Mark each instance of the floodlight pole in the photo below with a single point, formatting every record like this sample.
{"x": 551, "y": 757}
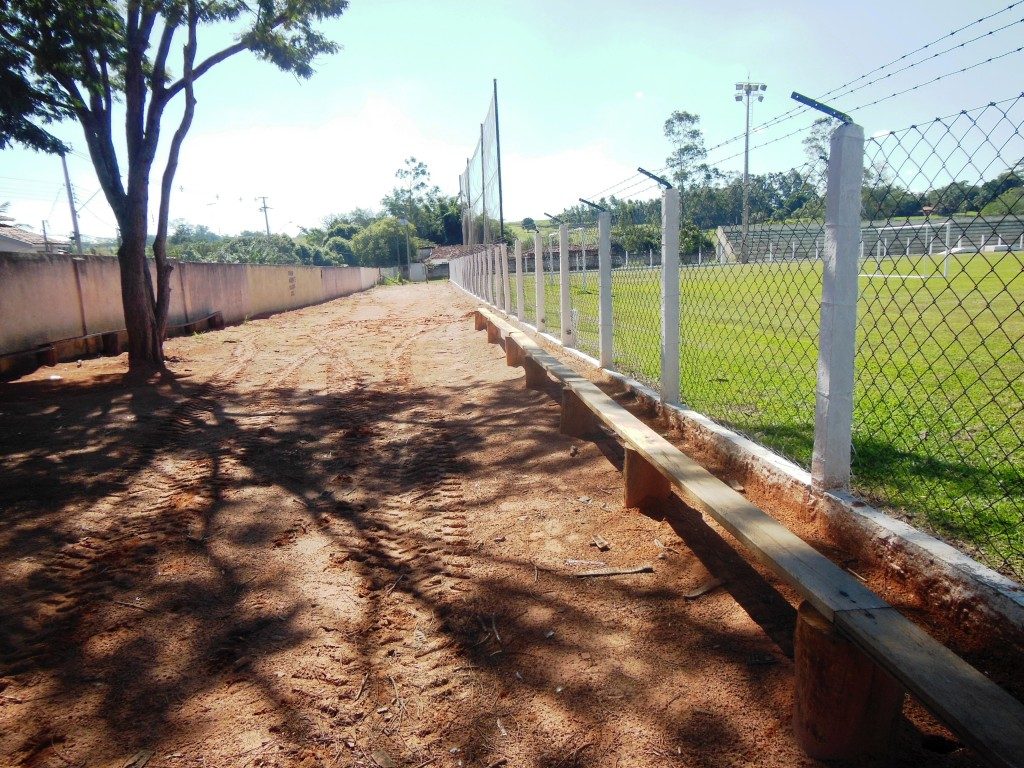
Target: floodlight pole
{"x": 743, "y": 94}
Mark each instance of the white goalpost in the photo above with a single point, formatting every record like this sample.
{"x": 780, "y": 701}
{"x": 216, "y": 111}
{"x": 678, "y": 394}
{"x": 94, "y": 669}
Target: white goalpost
{"x": 905, "y": 251}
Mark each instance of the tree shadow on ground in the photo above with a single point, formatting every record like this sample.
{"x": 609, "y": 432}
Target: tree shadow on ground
{"x": 139, "y": 581}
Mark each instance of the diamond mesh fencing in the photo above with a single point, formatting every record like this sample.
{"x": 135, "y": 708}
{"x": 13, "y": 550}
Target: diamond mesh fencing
{"x": 939, "y": 408}
{"x": 552, "y": 286}
{"x": 636, "y": 289}
{"x": 750, "y": 299}
{"x": 583, "y": 287}
{"x": 529, "y": 284}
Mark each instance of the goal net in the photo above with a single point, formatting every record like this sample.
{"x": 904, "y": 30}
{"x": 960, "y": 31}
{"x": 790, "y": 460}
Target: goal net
{"x": 906, "y": 251}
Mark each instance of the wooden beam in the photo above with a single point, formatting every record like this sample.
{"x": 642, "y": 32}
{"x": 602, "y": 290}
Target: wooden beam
{"x": 493, "y": 332}
{"x": 479, "y": 321}
{"x": 513, "y": 352}
{"x": 977, "y": 710}
{"x": 577, "y": 420}
{"x": 845, "y": 706}
{"x": 646, "y": 487}
{"x": 536, "y": 376}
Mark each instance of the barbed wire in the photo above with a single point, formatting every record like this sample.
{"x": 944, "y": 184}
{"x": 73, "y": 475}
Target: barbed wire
{"x": 834, "y": 92}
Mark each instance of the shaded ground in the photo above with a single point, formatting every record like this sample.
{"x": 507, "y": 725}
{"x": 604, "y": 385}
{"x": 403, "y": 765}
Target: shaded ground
{"x": 339, "y": 536}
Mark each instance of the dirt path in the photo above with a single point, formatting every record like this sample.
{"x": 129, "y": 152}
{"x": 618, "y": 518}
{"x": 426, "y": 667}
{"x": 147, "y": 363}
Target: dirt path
{"x": 340, "y": 537}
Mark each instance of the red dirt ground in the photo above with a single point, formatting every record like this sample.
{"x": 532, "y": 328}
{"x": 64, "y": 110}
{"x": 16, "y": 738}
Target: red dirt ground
{"x": 339, "y": 537}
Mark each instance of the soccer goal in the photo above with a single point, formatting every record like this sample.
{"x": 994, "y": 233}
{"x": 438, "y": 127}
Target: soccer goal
{"x": 906, "y": 251}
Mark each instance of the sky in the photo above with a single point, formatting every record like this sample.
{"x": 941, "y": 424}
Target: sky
{"x": 584, "y": 89}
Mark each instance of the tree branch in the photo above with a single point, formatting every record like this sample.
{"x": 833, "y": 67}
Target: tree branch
{"x": 163, "y": 269}
{"x": 175, "y": 88}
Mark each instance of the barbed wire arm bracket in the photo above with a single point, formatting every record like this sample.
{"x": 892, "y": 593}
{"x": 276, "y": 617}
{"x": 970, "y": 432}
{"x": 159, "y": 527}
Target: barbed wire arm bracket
{"x": 825, "y": 108}
{"x": 656, "y": 178}
{"x": 595, "y": 206}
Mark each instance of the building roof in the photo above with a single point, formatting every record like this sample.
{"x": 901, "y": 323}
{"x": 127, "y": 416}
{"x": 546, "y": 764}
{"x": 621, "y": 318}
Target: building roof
{"x": 445, "y": 253}
{"x": 28, "y": 238}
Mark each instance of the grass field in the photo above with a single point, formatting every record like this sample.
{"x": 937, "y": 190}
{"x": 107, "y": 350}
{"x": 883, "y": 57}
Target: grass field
{"x": 939, "y": 409}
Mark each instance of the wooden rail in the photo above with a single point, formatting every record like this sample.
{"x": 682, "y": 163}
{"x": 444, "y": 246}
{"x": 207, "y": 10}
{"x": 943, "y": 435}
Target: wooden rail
{"x": 843, "y": 627}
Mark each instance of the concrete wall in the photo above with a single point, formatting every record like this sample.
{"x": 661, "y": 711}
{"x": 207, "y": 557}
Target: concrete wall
{"x": 47, "y": 297}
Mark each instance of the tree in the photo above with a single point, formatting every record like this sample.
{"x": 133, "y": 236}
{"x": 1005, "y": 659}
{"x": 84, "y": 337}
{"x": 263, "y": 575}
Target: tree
{"x": 529, "y": 224}
{"x": 382, "y": 244}
{"x": 74, "y": 60}
{"x": 682, "y": 129}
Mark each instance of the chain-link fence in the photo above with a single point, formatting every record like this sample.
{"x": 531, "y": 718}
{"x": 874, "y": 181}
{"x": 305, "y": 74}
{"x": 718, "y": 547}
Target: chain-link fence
{"x": 749, "y": 315}
{"x": 938, "y": 401}
{"x": 939, "y": 408}
{"x": 583, "y": 287}
{"x": 636, "y": 288}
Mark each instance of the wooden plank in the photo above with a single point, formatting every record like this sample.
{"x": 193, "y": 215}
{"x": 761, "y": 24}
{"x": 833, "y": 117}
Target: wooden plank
{"x": 820, "y": 581}
{"x": 977, "y": 710}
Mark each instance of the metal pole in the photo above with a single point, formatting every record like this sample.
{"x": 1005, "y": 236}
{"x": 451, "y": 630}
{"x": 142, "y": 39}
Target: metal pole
{"x": 565, "y": 303}
{"x": 71, "y": 204}
{"x": 833, "y": 410}
{"x": 497, "y": 148}
{"x": 670, "y": 296}
{"x": 746, "y": 179}
{"x": 604, "y": 269}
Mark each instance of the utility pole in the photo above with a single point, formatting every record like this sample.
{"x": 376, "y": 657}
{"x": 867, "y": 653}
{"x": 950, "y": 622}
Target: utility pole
{"x": 743, "y": 93}
{"x": 46, "y": 240}
{"x": 264, "y": 208}
{"x": 71, "y": 204}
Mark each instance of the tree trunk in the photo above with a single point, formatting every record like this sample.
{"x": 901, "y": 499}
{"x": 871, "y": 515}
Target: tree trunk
{"x": 145, "y": 337}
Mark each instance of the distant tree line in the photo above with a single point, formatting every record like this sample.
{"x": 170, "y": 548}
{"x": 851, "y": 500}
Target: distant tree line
{"x": 361, "y": 237}
{"x": 711, "y": 198}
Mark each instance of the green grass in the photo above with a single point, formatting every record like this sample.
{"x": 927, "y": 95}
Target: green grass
{"x": 938, "y": 416}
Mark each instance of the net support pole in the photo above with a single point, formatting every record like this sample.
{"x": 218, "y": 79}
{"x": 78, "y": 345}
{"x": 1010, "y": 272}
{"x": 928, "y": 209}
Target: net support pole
{"x": 506, "y": 297}
{"x": 520, "y": 290}
{"x": 538, "y": 280}
{"x": 833, "y": 407}
{"x": 670, "y": 296}
{"x": 604, "y": 272}
{"x": 565, "y": 298}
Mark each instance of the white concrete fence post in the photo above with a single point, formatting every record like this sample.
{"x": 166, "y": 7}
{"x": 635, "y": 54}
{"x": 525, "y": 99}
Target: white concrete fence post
{"x": 670, "y": 296}
{"x": 833, "y": 407}
{"x": 565, "y": 298}
{"x": 506, "y": 298}
{"x": 604, "y": 278}
{"x": 520, "y": 290}
{"x": 538, "y": 279}
{"x": 488, "y": 279}
{"x": 496, "y": 266}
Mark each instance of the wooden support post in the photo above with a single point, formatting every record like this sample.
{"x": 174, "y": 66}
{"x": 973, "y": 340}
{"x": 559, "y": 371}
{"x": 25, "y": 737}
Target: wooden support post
{"x": 513, "y": 353}
{"x": 646, "y": 487}
{"x": 493, "y": 333}
{"x": 845, "y": 705}
{"x": 479, "y": 321}
{"x": 577, "y": 419}
{"x": 536, "y": 376}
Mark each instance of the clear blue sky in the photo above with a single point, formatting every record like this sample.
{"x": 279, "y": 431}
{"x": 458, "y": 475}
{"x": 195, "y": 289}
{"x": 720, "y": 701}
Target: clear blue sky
{"x": 584, "y": 89}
